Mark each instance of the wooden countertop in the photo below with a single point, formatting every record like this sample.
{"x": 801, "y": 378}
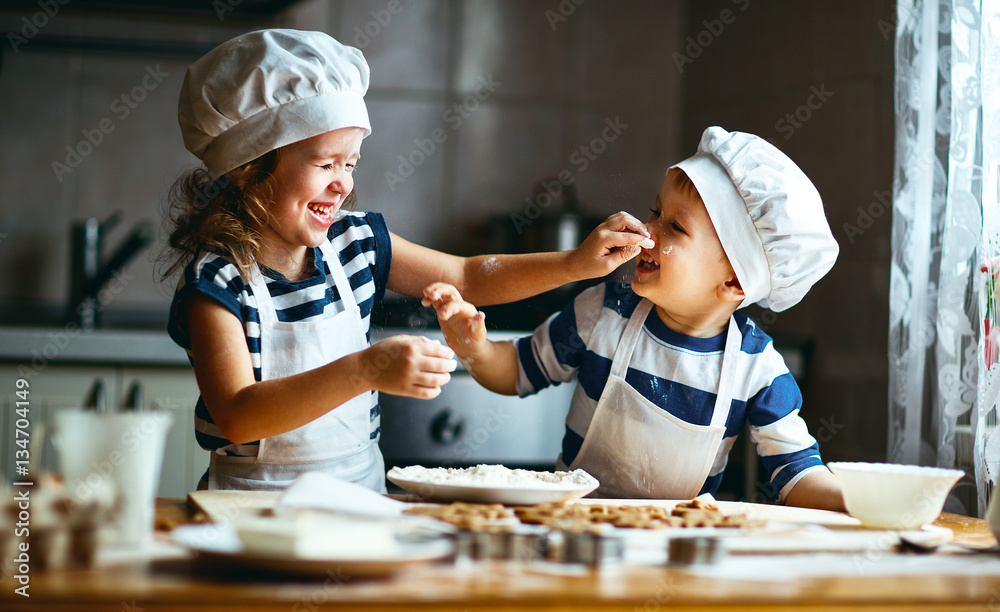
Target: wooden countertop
{"x": 182, "y": 583}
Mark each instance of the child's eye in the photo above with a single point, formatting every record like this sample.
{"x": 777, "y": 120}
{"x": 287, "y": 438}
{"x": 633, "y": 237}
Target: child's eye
{"x": 327, "y": 166}
{"x": 656, "y": 211}
{"x": 351, "y": 167}
{"x": 678, "y": 228}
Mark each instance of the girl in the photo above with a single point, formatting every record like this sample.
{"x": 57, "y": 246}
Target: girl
{"x": 279, "y": 279}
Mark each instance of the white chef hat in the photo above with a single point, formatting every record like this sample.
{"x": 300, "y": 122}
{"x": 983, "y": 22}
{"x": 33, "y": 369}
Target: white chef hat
{"x": 767, "y": 213}
{"x": 267, "y": 89}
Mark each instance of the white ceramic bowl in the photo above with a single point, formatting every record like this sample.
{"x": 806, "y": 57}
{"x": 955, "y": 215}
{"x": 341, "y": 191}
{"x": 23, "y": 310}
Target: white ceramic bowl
{"x": 894, "y": 496}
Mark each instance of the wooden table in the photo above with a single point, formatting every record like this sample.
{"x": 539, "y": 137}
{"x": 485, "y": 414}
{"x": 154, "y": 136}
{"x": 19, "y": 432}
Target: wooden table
{"x": 183, "y": 584}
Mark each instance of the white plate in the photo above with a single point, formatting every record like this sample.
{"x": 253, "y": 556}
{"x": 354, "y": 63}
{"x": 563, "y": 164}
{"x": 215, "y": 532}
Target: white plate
{"x": 221, "y": 546}
{"x": 511, "y": 496}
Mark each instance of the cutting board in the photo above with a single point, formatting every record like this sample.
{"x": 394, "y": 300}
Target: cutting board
{"x": 227, "y": 506}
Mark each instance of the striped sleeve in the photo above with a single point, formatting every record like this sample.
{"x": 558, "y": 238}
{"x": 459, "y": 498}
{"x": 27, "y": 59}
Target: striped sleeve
{"x": 554, "y": 352}
{"x": 382, "y": 253}
{"x": 783, "y": 442}
{"x": 210, "y": 275}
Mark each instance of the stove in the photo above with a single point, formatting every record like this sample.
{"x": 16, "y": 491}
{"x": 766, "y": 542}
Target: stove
{"x": 467, "y": 425}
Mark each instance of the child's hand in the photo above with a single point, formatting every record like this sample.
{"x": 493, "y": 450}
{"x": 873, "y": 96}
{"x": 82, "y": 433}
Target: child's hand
{"x": 617, "y": 240}
{"x": 464, "y": 327}
{"x": 408, "y": 366}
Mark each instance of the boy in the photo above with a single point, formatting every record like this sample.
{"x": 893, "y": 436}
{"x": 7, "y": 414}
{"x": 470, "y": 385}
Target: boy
{"x": 668, "y": 371}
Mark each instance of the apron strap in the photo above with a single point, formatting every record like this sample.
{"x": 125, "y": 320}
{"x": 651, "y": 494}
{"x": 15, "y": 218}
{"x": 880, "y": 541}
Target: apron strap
{"x": 623, "y": 354}
{"x": 727, "y": 375}
{"x": 339, "y": 275}
{"x": 727, "y": 372}
{"x": 265, "y": 305}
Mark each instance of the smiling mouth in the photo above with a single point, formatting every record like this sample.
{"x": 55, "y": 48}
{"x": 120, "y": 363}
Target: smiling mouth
{"x": 323, "y": 211}
{"x": 646, "y": 263}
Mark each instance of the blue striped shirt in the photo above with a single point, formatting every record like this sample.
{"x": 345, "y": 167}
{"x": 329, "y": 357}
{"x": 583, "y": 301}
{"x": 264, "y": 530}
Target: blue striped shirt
{"x": 678, "y": 373}
{"x": 364, "y": 250}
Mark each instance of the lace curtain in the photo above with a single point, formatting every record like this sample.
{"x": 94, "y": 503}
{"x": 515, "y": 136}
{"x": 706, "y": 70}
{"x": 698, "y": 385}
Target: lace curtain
{"x": 943, "y": 379}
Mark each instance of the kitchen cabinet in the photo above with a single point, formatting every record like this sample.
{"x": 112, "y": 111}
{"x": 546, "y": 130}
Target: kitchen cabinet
{"x": 59, "y": 387}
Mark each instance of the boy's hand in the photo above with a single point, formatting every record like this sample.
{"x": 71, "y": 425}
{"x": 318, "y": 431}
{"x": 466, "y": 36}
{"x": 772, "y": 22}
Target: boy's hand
{"x": 408, "y": 366}
{"x": 463, "y": 325}
{"x": 619, "y": 239}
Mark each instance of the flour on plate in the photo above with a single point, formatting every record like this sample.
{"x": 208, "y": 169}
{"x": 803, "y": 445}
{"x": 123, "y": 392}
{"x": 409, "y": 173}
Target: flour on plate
{"x": 495, "y": 476}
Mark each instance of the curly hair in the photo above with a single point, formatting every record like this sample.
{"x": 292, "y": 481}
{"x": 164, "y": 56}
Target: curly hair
{"x": 224, "y": 216}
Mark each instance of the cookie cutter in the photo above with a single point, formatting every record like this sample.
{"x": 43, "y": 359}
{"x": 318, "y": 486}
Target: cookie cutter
{"x": 520, "y": 545}
{"x": 695, "y": 550}
{"x": 593, "y": 549}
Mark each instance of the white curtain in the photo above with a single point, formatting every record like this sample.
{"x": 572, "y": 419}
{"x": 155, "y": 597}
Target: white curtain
{"x": 944, "y": 379}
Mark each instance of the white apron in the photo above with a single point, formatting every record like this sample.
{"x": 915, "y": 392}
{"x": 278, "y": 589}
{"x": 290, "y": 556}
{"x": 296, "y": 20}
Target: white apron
{"x": 638, "y": 450}
{"x": 338, "y": 442}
